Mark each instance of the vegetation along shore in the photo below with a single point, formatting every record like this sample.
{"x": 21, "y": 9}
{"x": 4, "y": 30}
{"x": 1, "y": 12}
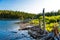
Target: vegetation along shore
{"x": 50, "y": 17}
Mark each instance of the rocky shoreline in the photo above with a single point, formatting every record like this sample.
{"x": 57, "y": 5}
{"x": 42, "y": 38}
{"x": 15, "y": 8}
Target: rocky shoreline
{"x": 37, "y": 32}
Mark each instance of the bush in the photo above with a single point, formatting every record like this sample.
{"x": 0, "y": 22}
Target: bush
{"x": 50, "y": 26}
{"x": 34, "y": 21}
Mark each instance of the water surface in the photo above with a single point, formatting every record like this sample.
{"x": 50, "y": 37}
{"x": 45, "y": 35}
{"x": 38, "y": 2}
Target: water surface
{"x": 8, "y": 25}
{"x": 9, "y": 31}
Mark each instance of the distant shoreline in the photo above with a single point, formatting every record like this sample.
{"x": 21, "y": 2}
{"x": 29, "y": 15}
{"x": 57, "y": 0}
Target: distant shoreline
{"x": 8, "y": 19}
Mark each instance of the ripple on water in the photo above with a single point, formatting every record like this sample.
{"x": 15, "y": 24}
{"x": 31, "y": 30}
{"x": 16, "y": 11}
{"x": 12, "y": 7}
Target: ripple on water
{"x": 20, "y": 35}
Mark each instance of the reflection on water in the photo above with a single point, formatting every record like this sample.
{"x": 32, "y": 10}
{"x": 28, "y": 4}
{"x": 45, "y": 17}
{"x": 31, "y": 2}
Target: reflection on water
{"x": 8, "y": 31}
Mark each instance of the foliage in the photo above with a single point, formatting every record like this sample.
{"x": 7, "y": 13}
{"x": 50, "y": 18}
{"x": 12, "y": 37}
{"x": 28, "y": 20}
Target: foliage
{"x": 50, "y": 26}
{"x": 15, "y": 14}
{"x": 50, "y": 20}
{"x": 34, "y": 21}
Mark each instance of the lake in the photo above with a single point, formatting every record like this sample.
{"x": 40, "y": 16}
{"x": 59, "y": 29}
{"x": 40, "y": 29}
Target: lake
{"x": 9, "y": 31}
{"x": 8, "y": 25}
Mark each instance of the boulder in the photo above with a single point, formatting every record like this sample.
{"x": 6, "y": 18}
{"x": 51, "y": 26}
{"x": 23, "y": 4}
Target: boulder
{"x": 37, "y": 32}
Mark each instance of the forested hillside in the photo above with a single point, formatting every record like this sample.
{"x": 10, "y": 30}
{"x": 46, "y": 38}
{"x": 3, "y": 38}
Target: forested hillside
{"x": 8, "y": 14}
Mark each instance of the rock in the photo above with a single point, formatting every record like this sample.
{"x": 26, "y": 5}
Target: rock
{"x": 37, "y": 32}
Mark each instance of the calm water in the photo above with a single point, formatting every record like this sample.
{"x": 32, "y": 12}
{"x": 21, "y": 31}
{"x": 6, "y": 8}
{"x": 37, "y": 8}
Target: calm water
{"x": 8, "y": 25}
{"x": 9, "y": 31}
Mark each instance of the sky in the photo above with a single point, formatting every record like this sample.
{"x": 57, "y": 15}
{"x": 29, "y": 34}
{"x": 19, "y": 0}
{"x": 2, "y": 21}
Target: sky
{"x": 30, "y": 6}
